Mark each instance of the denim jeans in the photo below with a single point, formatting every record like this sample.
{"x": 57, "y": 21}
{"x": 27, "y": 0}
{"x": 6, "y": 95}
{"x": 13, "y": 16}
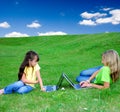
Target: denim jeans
{"x": 85, "y": 74}
{"x": 18, "y": 87}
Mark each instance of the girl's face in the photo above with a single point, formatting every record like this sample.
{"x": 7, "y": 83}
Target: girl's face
{"x": 103, "y": 60}
{"x": 33, "y": 62}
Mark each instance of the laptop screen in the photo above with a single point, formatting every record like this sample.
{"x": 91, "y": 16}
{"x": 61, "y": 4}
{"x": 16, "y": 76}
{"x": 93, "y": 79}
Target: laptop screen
{"x": 66, "y": 77}
{"x": 60, "y": 81}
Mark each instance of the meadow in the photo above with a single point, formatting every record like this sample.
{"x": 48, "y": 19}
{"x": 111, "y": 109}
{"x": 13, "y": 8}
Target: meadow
{"x": 69, "y": 54}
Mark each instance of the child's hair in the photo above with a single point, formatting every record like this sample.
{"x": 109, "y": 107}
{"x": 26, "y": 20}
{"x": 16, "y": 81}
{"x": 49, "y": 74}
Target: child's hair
{"x": 112, "y": 59}
{"x": 30, "y": 55}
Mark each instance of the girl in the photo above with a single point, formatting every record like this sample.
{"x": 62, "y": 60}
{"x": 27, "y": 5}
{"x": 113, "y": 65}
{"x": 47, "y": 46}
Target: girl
{"x": 28, "y": 73}
{"x": 107, "y": 74}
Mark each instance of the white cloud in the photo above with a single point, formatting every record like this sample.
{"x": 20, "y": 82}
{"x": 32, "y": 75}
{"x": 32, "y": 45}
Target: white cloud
{"x": 34, "y": 24}
{"x": 87, "y": 22}
{"x": 101, "y": 18}
{"x": 115, "y": 16}
{"x": 106, "y": 9}
{"x": 52, "y": 33}
{"x": 114, "y": 19}
{"x": 87, "y": 15}
{"x": 4, "y": 25}
{"x": 107, "y": 32}
{"x": 16, "y": 34}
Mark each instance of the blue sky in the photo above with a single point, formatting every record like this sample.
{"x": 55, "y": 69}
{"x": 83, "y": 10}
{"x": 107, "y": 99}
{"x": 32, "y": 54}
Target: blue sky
{"x": 58, "y": 17}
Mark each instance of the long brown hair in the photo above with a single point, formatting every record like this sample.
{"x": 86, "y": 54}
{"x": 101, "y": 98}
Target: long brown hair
{"x": 30, "y": 55}
{"x": 112, "y": 60}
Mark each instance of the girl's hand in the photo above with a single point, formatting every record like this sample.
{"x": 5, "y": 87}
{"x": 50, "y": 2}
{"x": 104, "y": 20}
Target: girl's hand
{"x": 43, "y": 89}
{"x": 86, "y": 84}
{"x": 36, "y": 81}
{"x": 82, "y": 82}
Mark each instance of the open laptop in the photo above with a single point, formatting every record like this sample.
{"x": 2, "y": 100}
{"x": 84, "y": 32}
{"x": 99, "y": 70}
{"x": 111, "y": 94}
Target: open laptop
{"x": 50, "y": 88}
{"x": 75, "y": 86}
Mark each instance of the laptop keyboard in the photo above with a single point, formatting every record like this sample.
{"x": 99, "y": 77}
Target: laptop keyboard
{"x": 50, "y": 88}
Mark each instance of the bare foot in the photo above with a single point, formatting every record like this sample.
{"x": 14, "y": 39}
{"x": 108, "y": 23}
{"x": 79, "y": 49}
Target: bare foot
{"x": 1, "y": 91}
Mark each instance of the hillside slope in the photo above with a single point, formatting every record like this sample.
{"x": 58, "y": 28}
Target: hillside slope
{"x": 69, "y": 54}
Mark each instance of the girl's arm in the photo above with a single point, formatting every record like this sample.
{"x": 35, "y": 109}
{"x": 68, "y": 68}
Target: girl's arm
{"x": 92, "y": 77}
{"x": 106, "y": 85}
{"x": 27, "y": 81}
{"x": 40, "y": 80}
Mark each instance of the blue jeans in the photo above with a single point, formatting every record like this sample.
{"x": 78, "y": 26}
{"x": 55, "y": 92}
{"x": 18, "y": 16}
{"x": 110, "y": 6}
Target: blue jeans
{"x": 18, "y": 87}
{"x": 85, "y": 74}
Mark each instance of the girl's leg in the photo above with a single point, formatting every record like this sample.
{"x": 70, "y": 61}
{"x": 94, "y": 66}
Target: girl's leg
{"x": 24, "y": 89}
{"x": 89, "y": 71}
{"x": 82, "y": 78}
{"x": 85, "y": 74}
{"x": 13, "y": 87}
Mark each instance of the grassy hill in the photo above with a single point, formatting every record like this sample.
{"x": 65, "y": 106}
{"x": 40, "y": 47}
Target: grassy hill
{"x": 69, "y": 54}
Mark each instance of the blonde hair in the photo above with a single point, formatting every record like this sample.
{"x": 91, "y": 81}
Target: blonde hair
{"x": 112, "y": 59}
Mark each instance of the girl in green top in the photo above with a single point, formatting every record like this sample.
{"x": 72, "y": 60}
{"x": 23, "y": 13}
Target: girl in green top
{"x": 107, "y": 74}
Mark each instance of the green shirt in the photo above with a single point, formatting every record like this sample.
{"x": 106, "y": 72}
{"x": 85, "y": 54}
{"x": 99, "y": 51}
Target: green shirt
{"x": 103, "y": 76}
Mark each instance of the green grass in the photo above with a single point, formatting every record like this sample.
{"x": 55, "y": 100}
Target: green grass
{"x": 70, "y": 54}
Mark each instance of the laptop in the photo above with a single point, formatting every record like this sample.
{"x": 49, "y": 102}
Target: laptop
{"x": 50, "y": 88}
{"x": 75, "y": 86}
